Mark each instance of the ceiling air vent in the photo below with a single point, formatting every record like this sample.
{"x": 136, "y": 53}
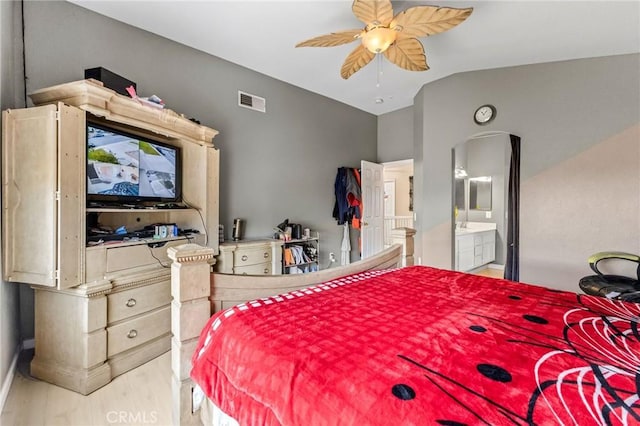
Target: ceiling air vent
{"x": 253, "y": 102}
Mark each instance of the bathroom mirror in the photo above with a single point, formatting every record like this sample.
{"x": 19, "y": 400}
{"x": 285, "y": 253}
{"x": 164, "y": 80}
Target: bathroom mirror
{"x": 480, "y": 193}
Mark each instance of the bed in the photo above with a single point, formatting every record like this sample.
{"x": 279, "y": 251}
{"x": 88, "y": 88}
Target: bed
{"x": 419, "y": 345}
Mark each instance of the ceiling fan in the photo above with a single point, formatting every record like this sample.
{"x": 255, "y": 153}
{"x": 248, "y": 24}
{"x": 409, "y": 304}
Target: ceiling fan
{"x": 394, "y": 36}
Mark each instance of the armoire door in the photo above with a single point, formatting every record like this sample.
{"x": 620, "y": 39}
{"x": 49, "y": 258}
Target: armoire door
{"x": 41, "y": 217}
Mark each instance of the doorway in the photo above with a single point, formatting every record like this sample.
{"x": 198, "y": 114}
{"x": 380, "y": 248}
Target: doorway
{"x": 480, "y": 195}
{"x": 485, "y": 195}
{"x": 398, "y": 197}
{"x": 387, "y": 198}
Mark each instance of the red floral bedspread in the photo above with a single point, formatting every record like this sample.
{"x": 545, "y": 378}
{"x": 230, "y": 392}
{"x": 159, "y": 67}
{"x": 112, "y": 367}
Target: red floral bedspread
{"x": 423, "y": 346}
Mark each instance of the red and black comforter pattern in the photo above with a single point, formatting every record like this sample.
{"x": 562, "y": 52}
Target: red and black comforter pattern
{"x": 422, "y": 346}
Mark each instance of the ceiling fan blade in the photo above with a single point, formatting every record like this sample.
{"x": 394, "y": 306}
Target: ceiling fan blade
{"x": 408, "y": 54}
{"x": 330, "y": 40}
{"x": 370, "y": 11}
{"x": 356, "y": 60}
{"x": 423, "y": 21}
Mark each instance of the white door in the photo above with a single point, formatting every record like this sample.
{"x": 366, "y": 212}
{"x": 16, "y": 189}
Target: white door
{"x": 389, "y": 198}
{"x": 372, "y": 184}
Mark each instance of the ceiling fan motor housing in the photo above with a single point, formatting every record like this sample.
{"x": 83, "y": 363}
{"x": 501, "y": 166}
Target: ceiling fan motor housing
{"x": 378, "y": 39}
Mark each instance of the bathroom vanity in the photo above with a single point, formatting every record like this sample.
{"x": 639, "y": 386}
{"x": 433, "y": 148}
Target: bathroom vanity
{"x": 475, "y": 245}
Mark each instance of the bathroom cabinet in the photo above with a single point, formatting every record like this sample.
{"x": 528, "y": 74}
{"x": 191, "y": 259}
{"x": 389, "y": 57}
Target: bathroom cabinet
{"x": 474, "y": 248}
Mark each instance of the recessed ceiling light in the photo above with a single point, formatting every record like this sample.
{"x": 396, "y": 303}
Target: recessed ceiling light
{"x": 379, "y": 100}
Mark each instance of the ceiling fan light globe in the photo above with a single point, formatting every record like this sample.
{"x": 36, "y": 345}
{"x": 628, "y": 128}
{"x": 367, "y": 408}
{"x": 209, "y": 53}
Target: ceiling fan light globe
{"x": 377, "y": 40}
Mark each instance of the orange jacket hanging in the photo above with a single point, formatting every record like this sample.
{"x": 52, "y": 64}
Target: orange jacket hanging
{"x": 356, "y": 220}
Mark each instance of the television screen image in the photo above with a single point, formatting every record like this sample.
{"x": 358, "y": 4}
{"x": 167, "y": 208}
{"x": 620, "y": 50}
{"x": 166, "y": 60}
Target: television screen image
{"x": 125, "y": 167}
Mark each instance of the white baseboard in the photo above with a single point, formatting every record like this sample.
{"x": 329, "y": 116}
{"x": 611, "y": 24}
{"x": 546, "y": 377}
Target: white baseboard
{"x": 28, "y": 344}
{"x": 495, "y": 266}
{"x": 6, "y": 385}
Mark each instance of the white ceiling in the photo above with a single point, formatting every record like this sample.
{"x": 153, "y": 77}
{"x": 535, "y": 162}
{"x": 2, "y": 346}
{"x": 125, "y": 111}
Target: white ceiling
{"x": 261, "y": 35}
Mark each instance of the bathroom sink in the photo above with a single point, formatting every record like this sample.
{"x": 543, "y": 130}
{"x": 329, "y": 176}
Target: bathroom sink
{"x": 473, "y": 227}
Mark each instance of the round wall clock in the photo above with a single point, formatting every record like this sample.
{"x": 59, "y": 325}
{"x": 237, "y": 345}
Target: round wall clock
{"x": 484, "y": 114}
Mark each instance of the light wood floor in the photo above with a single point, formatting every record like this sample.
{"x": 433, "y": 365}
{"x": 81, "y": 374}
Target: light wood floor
{"x": 141, "y": 396}
{"x": 490, "y": 272}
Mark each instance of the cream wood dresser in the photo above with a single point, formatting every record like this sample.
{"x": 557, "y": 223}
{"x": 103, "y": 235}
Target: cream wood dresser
{"x": 104, "y": 309}
{"x": 253, "y": 257}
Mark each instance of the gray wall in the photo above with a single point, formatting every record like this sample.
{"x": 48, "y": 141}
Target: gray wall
{"x": 277, "y": 165}
{"x": 395, "y": 135}
{"x": 9, "y": 98}
{"x": 568, "y": 114}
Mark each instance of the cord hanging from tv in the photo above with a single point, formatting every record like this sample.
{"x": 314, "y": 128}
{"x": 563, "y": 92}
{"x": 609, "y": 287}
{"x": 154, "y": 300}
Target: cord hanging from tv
{"x": 123, "y": 168}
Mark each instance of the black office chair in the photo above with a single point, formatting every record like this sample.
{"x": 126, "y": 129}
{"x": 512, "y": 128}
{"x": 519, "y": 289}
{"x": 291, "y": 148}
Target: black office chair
{"x": 612, "y": 286}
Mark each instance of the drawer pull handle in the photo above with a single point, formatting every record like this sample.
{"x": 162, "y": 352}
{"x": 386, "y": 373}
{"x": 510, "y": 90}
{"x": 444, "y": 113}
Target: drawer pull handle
{"x": 244, "y": 257}
{"x": 132, "y": 334}
{"x": 266, "y": 270}
{"x": 266, "y": 254}
{"x": 131, "y": 303}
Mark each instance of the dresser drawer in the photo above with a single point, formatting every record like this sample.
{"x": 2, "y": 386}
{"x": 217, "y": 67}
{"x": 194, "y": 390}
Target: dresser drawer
{"x": 132, "y": 302}
{"x": 121, "y": 258}
{"x": 137, "y": 331}
{"x": 246, "y": 257}
{"x": 252, "y": 257}
{"x": 260, "y": 269}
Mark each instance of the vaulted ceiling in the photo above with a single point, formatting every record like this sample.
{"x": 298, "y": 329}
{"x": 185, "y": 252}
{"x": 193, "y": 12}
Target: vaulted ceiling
{"x": 261, "y": 35}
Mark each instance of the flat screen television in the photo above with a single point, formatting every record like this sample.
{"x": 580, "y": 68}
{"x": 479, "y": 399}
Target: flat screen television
{"x": 123, "y": 168}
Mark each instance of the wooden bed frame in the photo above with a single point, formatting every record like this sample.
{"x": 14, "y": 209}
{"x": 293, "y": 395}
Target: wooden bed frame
{"x": 197, "y": 293}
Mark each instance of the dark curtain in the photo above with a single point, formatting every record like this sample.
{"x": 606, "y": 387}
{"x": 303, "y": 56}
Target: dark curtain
{"x": 512, "y": 267}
